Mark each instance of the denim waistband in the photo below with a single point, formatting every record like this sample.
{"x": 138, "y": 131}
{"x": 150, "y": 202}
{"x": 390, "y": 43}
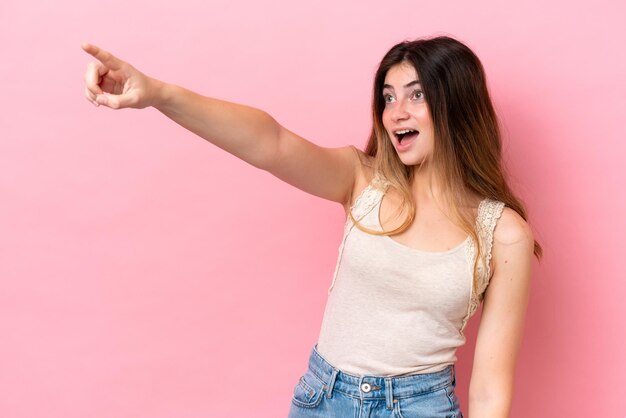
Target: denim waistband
{"x": 378, "y": 387}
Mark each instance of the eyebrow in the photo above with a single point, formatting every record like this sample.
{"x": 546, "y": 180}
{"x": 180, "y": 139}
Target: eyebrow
{"x": 406, "y": 86}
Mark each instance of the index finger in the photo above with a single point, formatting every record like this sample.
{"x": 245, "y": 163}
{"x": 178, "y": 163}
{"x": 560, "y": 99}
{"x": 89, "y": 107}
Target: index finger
{"x": 103, "y": 56}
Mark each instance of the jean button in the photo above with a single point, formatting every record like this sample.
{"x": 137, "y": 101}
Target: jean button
{"x": 366, "y": 387}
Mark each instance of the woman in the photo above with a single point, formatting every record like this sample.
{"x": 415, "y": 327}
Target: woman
{"x": 432, "y": 230}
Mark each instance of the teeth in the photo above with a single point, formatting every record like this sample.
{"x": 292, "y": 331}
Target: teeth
{"x": 406, "y": 131}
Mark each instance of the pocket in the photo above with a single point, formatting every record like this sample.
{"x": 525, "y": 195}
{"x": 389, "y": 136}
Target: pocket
{"x": 436, "y": 404}
{"x": 309, "y": 391}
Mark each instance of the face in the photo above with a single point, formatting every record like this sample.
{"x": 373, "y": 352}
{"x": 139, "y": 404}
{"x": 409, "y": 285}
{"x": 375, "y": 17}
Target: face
{"x": 406, "y": 117}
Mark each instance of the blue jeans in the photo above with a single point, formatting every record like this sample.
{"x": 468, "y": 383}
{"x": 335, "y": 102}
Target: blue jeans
{"x": 325, "y": 391}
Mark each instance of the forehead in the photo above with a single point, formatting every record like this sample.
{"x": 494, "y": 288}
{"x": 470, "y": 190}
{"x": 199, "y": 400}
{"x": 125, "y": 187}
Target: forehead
{"x": 400, "y": 74}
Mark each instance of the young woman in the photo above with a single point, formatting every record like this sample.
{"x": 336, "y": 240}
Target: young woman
{"x": 432, "y": 230}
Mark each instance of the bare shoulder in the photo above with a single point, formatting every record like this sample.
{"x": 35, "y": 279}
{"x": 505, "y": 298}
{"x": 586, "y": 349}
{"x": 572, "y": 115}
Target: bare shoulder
{"x": 512, "y": 229}
{"x": 513, "y": 243}
{"x": 363, "y": 176}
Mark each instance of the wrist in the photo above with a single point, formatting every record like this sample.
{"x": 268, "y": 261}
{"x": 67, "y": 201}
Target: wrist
{"x": 162, "y": 93}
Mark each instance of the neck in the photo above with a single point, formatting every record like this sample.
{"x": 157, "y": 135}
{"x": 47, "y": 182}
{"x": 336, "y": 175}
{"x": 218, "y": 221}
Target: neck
{"x": 427, "y": 189}
{"x": 426, "y": 185}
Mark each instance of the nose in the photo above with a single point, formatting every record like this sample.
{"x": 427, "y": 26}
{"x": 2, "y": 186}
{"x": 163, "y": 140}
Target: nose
{"x": 399, "y": 111}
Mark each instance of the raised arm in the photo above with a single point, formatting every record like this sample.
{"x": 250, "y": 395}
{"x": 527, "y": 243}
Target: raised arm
{"x": 248, "y": 133}
{"x": 502, "y": 320}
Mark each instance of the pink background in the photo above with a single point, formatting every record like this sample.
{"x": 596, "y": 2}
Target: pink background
{"x": 146, "y": 273}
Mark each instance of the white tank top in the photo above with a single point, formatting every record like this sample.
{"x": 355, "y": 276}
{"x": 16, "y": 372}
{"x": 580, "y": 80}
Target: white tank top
{"x": 393, "y": 310}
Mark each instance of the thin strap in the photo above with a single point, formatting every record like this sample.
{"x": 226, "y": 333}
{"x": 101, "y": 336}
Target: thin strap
{"x": 368, "y": 198}
{"x": 489, "y": 211}
{"x": 487, "y": 220}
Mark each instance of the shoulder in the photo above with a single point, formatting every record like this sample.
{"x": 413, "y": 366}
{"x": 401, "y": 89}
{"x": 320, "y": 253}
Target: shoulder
{"x": 363, "y": 175}
{"x": 513, "y": 243}
{"x": 512, "y": 229}
{"x": 365, "y": 168}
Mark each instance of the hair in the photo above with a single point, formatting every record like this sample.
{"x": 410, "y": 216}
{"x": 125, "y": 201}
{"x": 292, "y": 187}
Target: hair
{"x": 467, "y": 145}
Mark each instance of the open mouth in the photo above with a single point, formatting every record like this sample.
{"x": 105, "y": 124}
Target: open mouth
{"x": 406, "y": 135}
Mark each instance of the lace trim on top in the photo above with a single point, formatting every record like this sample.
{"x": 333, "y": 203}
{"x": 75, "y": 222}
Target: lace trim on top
{"x": 489, "y": 211}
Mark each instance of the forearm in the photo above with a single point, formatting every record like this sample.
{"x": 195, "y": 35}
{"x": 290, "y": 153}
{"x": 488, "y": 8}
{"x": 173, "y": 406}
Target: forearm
{"x": 488, "y": 410}
{"x": 248, "y": 133}
{"x": 491, "y": 406}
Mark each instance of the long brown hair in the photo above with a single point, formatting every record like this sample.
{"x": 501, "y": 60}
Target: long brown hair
{"x": 468, "y": 146}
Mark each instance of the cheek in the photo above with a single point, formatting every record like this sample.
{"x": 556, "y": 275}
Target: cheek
{"x": 424, "y": 117}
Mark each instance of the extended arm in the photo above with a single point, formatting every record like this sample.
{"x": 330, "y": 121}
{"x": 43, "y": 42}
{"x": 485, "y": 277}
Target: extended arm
{"x": 248, "y": 133}
{"x": 502, "y": 319}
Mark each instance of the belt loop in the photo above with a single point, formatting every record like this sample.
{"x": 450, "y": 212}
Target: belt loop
{"x": 331, "y": 383}
{"x": 389, "y": 392}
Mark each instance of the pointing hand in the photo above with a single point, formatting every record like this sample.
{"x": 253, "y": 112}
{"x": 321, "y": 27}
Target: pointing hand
{"x": 116, "y": 84}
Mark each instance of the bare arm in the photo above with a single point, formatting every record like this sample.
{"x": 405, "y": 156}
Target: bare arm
{"x": 502, "y": 320}
{"x": 248, "y": 133}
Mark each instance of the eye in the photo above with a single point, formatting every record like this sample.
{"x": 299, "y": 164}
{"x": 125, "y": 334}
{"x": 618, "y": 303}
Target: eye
{"x": 417, "y": 95}
{"x": 388, "y": 98}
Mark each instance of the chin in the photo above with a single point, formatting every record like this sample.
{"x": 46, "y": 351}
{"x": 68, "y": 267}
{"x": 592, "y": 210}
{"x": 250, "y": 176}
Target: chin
{"x": 411, "y": 161}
